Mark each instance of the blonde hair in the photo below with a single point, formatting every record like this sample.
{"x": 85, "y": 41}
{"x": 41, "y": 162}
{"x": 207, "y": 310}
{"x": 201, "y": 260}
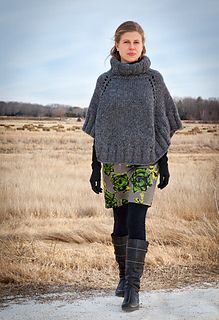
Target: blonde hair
{"x": 127, "y": 26}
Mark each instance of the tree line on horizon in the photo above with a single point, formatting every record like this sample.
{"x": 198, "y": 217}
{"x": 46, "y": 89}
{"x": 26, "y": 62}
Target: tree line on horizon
{"x": 189, "y": 109}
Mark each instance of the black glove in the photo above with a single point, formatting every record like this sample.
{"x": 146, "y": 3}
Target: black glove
{"x": 164, "y": 172}
{"x": 95, "y": 178}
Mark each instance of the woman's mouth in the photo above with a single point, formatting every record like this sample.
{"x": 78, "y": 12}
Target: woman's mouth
{"x": 131, "y": 53}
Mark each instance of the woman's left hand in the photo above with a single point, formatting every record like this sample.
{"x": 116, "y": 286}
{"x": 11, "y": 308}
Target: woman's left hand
{"x": 163, "y": 171}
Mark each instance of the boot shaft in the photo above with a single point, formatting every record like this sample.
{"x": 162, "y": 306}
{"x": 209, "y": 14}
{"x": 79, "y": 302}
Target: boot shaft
{"x": 120, "y": 244}
{"x": 135, "y": 257}
{"x": 136, "y": 250}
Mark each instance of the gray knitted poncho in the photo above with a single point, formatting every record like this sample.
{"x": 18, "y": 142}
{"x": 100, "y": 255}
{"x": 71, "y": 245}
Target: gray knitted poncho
{"x": 131, "y": 114}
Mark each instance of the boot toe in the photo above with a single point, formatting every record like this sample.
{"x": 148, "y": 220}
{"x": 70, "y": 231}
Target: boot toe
{"x": 131, "y": 300}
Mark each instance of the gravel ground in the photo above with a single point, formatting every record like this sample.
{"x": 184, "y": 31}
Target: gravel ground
{"x": 173, "y": 304}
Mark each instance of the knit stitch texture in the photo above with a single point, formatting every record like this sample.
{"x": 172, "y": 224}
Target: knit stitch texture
{"x": 131, "y": 115}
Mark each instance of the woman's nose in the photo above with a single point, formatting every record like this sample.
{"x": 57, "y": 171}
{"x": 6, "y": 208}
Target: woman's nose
{"x": 131, "y": 46}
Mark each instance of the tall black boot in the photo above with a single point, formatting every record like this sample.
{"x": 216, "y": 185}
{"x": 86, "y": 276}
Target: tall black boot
{"x": 135, "y": 255}
{"x": 119, "y": 244}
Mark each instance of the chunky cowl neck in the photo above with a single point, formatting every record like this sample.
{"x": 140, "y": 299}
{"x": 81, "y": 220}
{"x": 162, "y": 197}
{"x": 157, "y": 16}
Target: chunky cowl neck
{"x": 135, "y": 68}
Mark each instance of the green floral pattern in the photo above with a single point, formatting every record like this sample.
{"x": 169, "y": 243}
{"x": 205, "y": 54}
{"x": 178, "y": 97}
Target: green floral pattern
{"x": 108, "y": 168}
{"x": 120, "y": 182}
{"x": 110, "y": 199}
{"x": 125, "y": 183}
{"x": 141, "y": 179}
{"x": 124, "y": 201}
{"x": 154, "y": 171}
{"x": 140, "y": 199}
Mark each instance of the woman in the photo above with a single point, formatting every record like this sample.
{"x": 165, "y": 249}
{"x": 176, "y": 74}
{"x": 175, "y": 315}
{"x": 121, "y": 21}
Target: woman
{"x": 131, "y": 117}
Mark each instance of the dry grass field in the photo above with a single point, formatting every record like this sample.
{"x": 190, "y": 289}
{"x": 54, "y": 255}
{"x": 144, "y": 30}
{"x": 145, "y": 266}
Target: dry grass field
{"x": 56, "y": 231}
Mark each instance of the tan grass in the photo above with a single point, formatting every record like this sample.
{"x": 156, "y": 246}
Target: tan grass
{"x": 54, "y": 229}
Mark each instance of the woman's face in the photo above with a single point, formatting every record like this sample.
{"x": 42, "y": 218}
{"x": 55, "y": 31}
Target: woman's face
{"x": 130, "y": 46}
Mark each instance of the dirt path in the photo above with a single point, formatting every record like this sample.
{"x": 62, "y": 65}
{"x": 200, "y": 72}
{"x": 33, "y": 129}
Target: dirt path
{"x": 183, "y": 304}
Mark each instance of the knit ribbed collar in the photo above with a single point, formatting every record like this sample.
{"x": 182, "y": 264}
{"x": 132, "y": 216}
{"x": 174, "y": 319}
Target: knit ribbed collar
{"x": 120, "y": 68}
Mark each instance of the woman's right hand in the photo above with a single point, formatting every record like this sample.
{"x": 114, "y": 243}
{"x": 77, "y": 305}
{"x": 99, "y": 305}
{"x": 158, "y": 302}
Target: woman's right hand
{"x": 95, "y": 179}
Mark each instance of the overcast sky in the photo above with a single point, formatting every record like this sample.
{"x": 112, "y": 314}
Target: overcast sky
{"x": 52, "y": 51}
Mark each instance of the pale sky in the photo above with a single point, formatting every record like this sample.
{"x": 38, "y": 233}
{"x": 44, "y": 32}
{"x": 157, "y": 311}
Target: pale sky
{"x": 52, "y": 51}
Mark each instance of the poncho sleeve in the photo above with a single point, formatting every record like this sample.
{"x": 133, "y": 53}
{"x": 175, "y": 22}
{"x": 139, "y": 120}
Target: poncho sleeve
{"x": 171, "y": 111}
{"x": 89, "y": 123}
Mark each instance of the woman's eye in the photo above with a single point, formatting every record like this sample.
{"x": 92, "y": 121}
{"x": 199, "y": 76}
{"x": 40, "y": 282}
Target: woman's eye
{"x": 128, "y": 42}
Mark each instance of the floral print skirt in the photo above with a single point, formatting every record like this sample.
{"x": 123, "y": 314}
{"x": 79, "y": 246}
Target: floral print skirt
{"x": 123, "y": 183}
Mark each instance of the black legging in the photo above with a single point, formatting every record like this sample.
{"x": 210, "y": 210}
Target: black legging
{"x": 129, "y": 219}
